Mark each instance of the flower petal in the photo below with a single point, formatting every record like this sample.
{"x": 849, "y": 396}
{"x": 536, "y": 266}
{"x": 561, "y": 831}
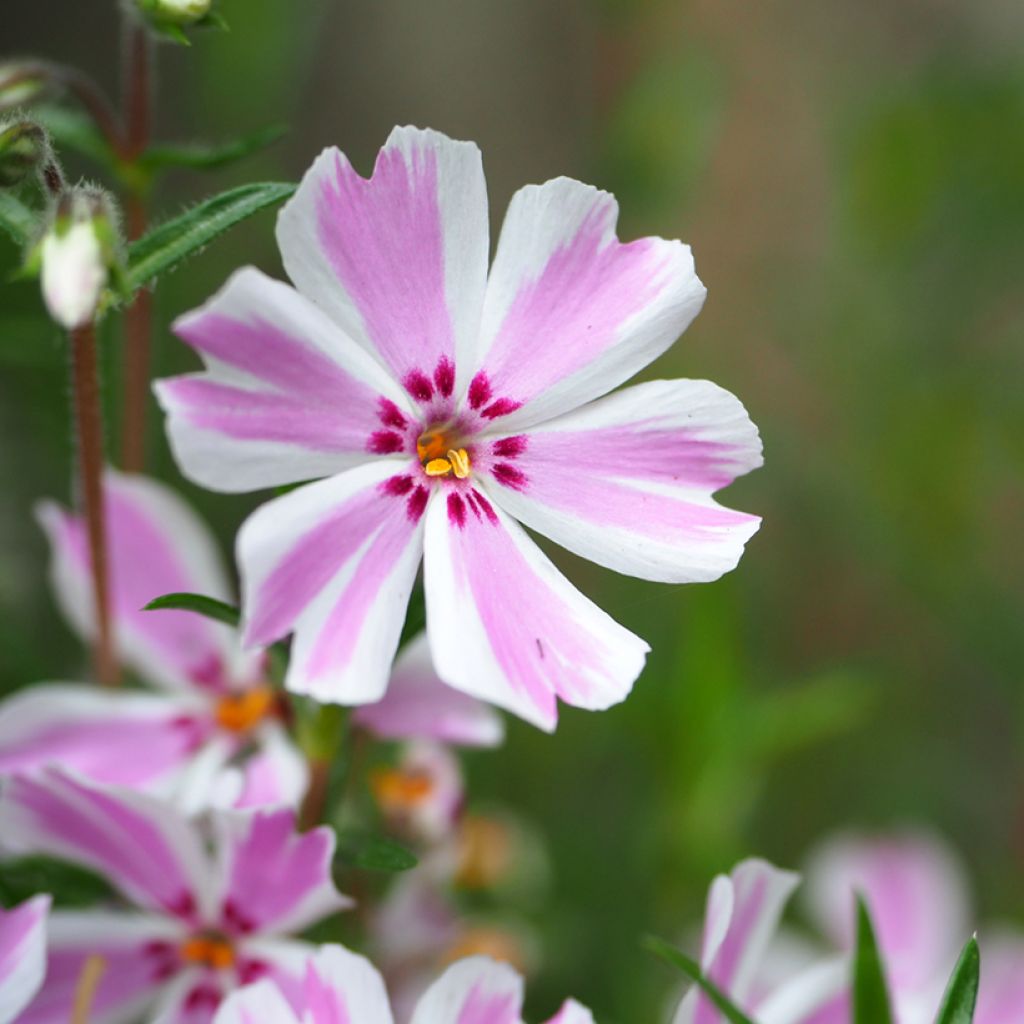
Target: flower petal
{"x": 571, "y": 312}
{"x": 476, "y": 990}
{"x": 138, "y": 843}
{"x": 627, "y": 481}
{"x": 399, "y": 261}
{"x": 334, "y": 561}
{"x": 343, "y": 986}
{"x": 126, "y": 739}
{"x": 819, "y": 994}
{"x": 506, "y": 626}
{"x": 157, "y": 546}
{"x": 915, "y": 888}
{"x": 138, "y": 954}
{"x": 272, "y": 879}
{"x": 22, "y": 955}
{"x": 286, "y": 396}
{"x": 276, "y": 773}
{"x": 261, "y": 1003}
{"x": 572, "y": 1012}
{"x": 418, "y": 705}
{"x": 736, "y": 933}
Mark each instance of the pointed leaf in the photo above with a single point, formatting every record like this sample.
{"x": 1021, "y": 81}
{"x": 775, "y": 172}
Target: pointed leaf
{"x": 174, "y": 241}
{"x": 962, "y": 990}
{"x": 373, "y": 853}
{"x": 220, "y": 611}
{"x": 692, "y": 970}
{"x": 871, "y": 1003}
{"x": 16, "y": 219}
{"x": 206, "y": 156}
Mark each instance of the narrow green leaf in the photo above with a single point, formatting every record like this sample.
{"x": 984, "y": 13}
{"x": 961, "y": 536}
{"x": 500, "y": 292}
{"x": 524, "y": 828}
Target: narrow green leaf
{"x": 871, "y": 1003}
{"x": 692, "y": 970}
{"x": 16, "y": 219}
{"x": 205, "y": 156}
{"x": 962, "y": 990}
{"x": 70, "y": 885}
{"x": 359, "y": 849}
{"x": 220, "y": 611}
{"x": 174, "y": 241}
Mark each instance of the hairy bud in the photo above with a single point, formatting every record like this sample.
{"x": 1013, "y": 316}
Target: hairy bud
{"x": 21, "y": 83}
{"x": 77, "y": 254}
{"x": 24, "y": 148}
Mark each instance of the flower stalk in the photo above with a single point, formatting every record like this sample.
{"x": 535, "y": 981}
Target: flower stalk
{"x": 89, "y": 431}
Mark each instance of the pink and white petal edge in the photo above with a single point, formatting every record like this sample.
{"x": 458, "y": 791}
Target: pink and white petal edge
{"x": 818, "y": 994}
{"x": 286, "y": 395}
{"x": 627, "y": 481}
{"x": 572, "y": 1012}
{"x": 398, "y": 261}
{"x": 476, "y": 990}
{"x": 419, "y": 705}
{"x": 506, "y": 626}
{"x": 22, "y": 955}
{"x": 570, "y": 311}
{"x": 261, "y": 1003}
{"x": 335, "y": 562}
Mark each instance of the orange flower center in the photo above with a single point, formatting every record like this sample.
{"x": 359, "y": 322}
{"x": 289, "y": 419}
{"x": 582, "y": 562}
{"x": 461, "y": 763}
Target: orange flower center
{"x": 241, "y": 712}
{"x": 485, "y": 852}
{"x": 208, "y": 951}
{"x": 440, "y": 454}
{"x": 398, "y": 791}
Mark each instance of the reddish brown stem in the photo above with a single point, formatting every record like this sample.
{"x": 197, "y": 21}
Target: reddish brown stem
{"x": 89, "y": 431}
{"x": 138, "y": 320}
{"x": 315, "y": 803}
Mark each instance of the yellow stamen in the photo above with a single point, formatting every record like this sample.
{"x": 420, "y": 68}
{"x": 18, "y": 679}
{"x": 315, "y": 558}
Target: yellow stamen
{"x": 460, "y": 462}
{"x": 209, "y": 951}
{"x": 396, "y": 790}
{"x": 437, "y": 467}
{"x": 85, "y": 988}
{"x": 240, "y": 712}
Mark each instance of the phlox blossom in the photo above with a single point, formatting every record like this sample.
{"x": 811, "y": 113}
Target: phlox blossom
{"x": 440, "y": 408}
{"x": 342, "y": 986}
{"x": 206, "y": 918}
{"x": 22, "y": 955}
{"x": 217, "y": 733}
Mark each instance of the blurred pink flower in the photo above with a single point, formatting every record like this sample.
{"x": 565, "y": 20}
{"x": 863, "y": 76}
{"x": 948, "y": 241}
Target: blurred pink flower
{"x": 22, "y": 955}
{"x": 918, "y": 894}
{"x": 442, "y": 404}
{"x": 217, "y": 734}
{"x": 208, "y": 918}
{"x": 342, "y": 986}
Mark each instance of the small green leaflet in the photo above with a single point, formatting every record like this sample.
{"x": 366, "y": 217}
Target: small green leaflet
{"x": 221, "y": 611}
{"x": 871, "y": 1004}
{"x": 167, "y": 245}
{"x": 962, "y": 990}
{"x": 205, "y": 156}
{"x": 359, "y": 849}
{"x": 16, "y": 219}
{"x": 692, "y": 970}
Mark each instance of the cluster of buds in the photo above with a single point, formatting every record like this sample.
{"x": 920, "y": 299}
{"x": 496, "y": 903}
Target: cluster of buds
{"x": 77, "y": 254}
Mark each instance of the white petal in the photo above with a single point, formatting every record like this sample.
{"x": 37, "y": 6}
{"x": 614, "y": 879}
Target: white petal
{"x": 22, "y": 955}
{"x": 476, "y": 989}
{"x": 261, "y": 1003}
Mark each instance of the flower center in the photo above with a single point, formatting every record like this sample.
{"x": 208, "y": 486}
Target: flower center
{"x": 440, "y": 454}
{"x": 208, "y": 950}
{"x": 398, "y": 791}
{"x": 241, "y": 712}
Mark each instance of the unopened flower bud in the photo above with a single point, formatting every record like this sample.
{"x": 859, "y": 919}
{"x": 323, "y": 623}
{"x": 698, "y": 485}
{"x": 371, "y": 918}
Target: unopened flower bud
{"x": 24, "y": 147}
{"x": 174, "y": 12}
{"x": 77, "y": 253}
{"x": 21, "y": 83}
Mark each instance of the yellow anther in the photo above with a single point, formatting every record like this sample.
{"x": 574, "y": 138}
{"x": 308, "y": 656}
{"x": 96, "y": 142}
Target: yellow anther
{"x": 438, "y": 467}
{"x": 240, "y": 712}
{"x": 398, "y": 790}
{"x": 460, "y": 462}
{"x": 209, "y": 951}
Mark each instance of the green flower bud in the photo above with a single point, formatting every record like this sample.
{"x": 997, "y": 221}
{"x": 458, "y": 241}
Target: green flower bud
{"x": 174, "y": 12}
{"x": 21, "y": 83}
{"x": 24, "y": 147}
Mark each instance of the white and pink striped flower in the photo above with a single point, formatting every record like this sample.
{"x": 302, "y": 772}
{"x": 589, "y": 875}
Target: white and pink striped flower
{"x": 445, "y": 406}
{"x": 217, "y": 733}
{"x": 341, "y": 986}
{"x": 22, "y": 955}
{"x": 206, "y": 920}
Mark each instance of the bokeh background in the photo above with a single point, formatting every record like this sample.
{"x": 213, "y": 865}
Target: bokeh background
{"x": 851, "y": 177}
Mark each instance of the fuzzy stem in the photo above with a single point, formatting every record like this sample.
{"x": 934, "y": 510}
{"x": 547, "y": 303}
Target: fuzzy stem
{"x": 89, "y": 430}
{"x": 138, "y": 319}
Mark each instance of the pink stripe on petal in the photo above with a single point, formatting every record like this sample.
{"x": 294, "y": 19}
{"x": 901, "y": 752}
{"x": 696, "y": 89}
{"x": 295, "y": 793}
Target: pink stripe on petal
{"x": 22, "y": 955}
{"x": 525, "y": 635}
{"x": 342, "y": 987}
{"x": 274, "y": 879}
{"x": 572, "y": 1012}
{"x": 399, "y": 260}
{"x": 476, "y": 990}
{"x": 139, "y": 844}
{"x": 628, "y": 481}
{"x": 570, "y": 311}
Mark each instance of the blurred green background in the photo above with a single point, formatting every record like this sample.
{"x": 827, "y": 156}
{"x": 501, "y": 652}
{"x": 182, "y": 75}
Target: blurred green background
{"x": 851, "y": 177}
